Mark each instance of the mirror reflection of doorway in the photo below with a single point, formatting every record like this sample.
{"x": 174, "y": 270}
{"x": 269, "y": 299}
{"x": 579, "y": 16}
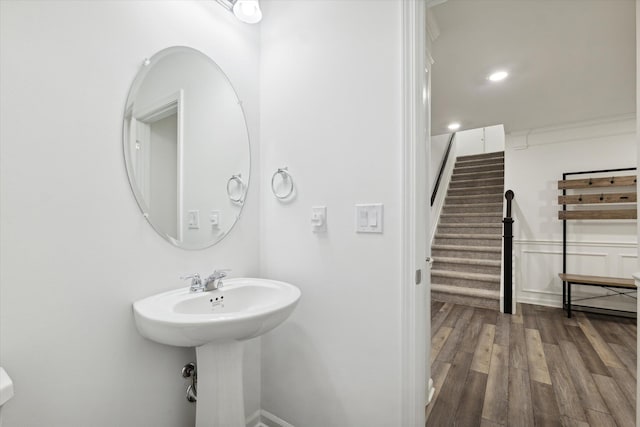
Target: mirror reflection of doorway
{"x": 157, "y": 162}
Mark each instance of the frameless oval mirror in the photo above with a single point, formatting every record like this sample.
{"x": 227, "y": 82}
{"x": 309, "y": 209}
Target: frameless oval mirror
{"x": 186, "y": 147}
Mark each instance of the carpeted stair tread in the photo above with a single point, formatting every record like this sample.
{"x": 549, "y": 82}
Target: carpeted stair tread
{"x": 468, "y": 236}
{"x": 465, "y": 248}
{"x": 480, "y": 189}
{"x": 484, "y": 156}
{"x": 448, "y": 260}
{"x": 473, "y": 224}
{"x": 462, "y": 163}
{"x": 466, "y": 275}
{"x": 476, "y": 175}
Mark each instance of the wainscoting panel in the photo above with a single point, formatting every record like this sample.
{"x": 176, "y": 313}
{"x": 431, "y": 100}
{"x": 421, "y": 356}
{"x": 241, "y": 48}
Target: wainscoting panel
{"x": 537, "y": 264}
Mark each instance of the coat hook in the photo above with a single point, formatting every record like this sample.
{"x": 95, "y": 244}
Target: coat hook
{"x": 601, "y": 197}
{"x": 613, "y": 179}
{"x": 580, "y": 198}
{"x": 590, "y": 182}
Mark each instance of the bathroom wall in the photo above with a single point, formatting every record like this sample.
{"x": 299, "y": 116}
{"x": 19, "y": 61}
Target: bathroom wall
{"x": 331, "y": 105}
{"x": 534, "y": 161}
{"x": 75, "y": 250}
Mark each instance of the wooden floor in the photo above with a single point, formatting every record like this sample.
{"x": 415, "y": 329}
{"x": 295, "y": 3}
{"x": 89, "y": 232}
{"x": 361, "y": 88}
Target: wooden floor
{"x": 537, "y": 368}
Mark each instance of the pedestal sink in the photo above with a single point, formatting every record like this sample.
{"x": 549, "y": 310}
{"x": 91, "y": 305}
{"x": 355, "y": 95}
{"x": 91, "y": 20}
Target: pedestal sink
{"x": 216, "y": 323}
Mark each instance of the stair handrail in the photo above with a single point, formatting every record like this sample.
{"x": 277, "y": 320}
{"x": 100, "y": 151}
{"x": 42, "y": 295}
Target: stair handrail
{"x": 508, "y": 254}
{"x": 441, "y": 171}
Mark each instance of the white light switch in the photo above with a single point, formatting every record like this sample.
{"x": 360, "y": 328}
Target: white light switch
{"x": 194, "y": 219}
{"x": 214, "y": 219}
{"x": 319, "y": 219}
{"x": 369, "y": 218}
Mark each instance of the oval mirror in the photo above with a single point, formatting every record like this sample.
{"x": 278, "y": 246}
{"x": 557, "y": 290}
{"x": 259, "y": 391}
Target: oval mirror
{"x": 186, "y": 147}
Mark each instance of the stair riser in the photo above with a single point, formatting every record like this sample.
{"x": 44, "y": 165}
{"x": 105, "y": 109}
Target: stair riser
{"x": 467, "y": 242}
{"x": 496, "y": 167}
{"x": 466, "y": 283}
{"x": 465, "y": 300}
{"x": 444, "y": 229}
{"x": 497, "y": 210}
{"x": 497, "y": 218}
{"x": 469, "y": 200}
{"x": 480, "y": 162}
{"x": 466, "y": 268}
{"x": 496, "y": 256}
{"x": 469, "y": 176}
{"x": 476, "y": 183}
{"x": 474, "y": 191}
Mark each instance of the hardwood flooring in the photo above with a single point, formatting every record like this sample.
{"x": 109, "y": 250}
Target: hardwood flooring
{"x": 536, "y": 368}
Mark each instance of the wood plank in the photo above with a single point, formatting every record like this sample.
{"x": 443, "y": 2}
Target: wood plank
{"x": 580, "y": 199}
{"x": 503, "y": 330}
{"x": 616, "y": 181}
{"x": 439, "y": 371}
{"x": 581, "y": 378}
{"x": 529, "y": 317}
{"x": 591, "y": 359}
{"x": 619, "y": 406}
{"x": 627, "y": 357}
{"x": 472, "y": 333}
{"x": 517, "y": 348}
{"x": 538, "y": 370}
{"x": 569, "y": 403}
{"x": 469, "y": 412}
{"x": 599, "y": 345}
{"x": 487, "y": 423}
{"x": 570, "y": 422}
{"x": 496, "y": 398}
{"x": 545, "y": 407}
{"x": 600, "y": 419}
{"x": 437, "y": 342}
{"x": 438, "y": 319}
{"x": 451, "y": 346}
{"x": 482, "y": 355}
{"x": 447, "y": 403}
{"x": 599, "y": 214}
{"x": 517, "y": 317}
{"x": 626, "y": 383}
{"x": 622, "y": 282}
{"x": 520, "y": 411}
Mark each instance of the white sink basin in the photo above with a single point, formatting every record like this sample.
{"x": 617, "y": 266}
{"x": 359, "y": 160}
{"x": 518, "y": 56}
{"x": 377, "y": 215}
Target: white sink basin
{"x": 243, "y": 308}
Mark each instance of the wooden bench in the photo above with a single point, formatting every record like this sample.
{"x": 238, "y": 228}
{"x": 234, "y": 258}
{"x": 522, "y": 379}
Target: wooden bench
{"x": 610, "y": 283}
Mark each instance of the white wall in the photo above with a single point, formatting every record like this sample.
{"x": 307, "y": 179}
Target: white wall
{"x": 481, "y": 140}
{"x": 534, "y": 162}
{"x": 75, "y": 249}
{"x": 331, "y": 98}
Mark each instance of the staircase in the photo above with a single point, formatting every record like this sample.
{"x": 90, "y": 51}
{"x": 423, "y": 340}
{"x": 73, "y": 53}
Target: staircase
{"x": 467, "y": 247}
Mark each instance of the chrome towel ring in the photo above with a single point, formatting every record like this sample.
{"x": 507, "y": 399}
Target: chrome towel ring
{"x": 286, "y": 176}
{"x": 237, "y": 179}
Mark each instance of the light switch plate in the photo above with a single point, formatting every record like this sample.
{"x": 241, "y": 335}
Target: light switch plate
{"x": 319, "y": 219}
{"x": 194, "y": 219}
{"x": 214, "y": 219}
{"x": 369, "y": 218}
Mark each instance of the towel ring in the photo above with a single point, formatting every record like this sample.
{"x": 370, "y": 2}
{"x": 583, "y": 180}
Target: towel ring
{"x": 237, "y": 179}
{"x": 286, "y": 176}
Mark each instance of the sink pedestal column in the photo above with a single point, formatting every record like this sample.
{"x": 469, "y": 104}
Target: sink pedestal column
{"x": 220, "y": 397}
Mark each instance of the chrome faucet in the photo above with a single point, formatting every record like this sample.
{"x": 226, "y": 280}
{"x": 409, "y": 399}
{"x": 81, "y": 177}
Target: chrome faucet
{"x": 196, "y": 282}
{"x": 214, "y": 281}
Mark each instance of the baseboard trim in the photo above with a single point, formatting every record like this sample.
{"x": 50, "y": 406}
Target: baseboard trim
{"x": 262, "y": 418}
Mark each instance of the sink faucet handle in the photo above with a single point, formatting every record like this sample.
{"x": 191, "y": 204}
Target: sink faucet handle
{"x": 219, "y": 274}
{"x": 196, "y": 281}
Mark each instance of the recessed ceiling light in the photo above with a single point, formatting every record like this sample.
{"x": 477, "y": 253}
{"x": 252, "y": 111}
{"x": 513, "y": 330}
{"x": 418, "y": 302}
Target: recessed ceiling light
{"x": 454, "y": 126}
{"x": 498, "y": 75}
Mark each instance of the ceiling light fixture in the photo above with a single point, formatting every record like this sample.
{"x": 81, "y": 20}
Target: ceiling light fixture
{"x": 454, "y": 126}
{"x": 498, "y": 76}
{"x": 245, "y": 10}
